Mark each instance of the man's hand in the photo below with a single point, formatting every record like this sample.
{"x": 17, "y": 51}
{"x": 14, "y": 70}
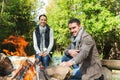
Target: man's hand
{"x": 63, "y": 64}
{"x": 69, "y": 63}
{"x": 73, "y": 53}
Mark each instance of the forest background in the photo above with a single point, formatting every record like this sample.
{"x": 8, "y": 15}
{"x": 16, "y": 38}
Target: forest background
{"x": 101, "y": 18}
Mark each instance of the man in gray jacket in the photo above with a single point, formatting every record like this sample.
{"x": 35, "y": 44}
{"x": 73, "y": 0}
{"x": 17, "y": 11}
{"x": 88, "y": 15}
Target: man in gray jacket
{"x": 82, "y": 52}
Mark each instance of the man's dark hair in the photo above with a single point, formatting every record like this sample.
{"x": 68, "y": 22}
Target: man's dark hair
{"x": 72, "y": 20}
{"x": 42, "y": 15}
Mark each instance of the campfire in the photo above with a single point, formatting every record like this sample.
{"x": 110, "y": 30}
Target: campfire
{"x": 27, "y": 67}
{"x": 24, "y": 67}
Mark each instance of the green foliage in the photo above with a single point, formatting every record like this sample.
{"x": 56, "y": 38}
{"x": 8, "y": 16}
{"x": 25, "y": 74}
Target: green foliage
{"x": 56, "y": 58}
{"x": 58, "y": 16}
{"x": 16, "y": 18}
{"x": 101, "y": 23}
{"x": 98, "y": 17}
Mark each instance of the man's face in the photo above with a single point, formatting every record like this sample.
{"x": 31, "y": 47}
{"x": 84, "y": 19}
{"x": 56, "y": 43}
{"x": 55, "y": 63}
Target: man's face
{"x": 74, "y": 28}
{"x": 43, "y": 21}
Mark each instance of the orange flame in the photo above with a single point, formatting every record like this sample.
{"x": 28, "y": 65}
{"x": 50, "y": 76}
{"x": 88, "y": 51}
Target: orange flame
{"x": 19, "y": 43}
{"x": 31, "y": 73}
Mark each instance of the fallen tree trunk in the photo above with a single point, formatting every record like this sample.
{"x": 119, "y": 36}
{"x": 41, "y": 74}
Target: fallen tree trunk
{"x": 111, "y": 64}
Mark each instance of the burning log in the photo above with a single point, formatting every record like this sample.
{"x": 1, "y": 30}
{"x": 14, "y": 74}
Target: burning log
{"x": 25, "y": 72}
{"x": 25, "y": 68}
{"x": 18, "y": 42}
{"x": 6, "y": 66}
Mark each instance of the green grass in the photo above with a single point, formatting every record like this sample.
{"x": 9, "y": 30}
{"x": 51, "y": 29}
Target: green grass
{"x": 56, "y": 58}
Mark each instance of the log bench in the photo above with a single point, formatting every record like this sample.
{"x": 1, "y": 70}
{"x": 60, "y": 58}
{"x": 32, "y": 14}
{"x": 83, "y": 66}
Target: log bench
{"x": 108, "y": 66}
{"x": 111, "y": 64}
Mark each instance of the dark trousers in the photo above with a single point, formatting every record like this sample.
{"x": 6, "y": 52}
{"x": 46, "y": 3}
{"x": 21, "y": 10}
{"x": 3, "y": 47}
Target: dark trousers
{"x": 44, "y": 60}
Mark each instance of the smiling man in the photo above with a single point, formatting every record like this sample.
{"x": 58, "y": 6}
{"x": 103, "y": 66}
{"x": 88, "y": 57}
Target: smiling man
{"x": 82, "y": 54}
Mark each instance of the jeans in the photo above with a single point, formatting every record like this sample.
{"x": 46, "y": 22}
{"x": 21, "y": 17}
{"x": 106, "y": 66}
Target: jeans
{"x": 44, "y": 60}
{"x": 76, "y": 75}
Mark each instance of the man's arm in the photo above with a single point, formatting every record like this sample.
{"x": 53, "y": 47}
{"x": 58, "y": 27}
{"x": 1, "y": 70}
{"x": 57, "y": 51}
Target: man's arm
{"x": 85, "y": 49}
{"x": 84, "y": 52}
